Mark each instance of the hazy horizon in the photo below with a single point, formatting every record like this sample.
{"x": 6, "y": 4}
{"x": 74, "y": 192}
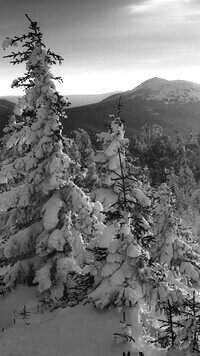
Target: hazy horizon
{"x": 105, "y": 93}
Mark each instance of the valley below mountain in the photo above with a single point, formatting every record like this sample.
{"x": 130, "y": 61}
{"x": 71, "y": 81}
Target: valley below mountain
{"x": 175, "y": 105}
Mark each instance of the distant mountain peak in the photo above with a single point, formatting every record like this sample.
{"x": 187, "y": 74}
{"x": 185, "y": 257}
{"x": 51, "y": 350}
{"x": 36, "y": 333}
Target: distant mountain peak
{"x": 168, "y": 91}
{"x": 153, "y": 81}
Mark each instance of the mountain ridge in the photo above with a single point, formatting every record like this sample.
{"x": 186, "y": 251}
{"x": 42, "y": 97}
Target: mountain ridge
{"x": 165, "y": 90}
{"x": 175, "y": 105}
{"x": 169, "y": 90}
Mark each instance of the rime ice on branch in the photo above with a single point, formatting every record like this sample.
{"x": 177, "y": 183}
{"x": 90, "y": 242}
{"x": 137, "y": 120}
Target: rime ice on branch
{"x": 49, "y": 217}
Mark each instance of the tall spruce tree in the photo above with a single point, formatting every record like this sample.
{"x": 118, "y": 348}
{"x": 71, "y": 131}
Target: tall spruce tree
{"x": 85, "y": 158}
{"x": 186, "y": 181}
{"x": 122, "y": 249}
{"x": 49, "y": 218}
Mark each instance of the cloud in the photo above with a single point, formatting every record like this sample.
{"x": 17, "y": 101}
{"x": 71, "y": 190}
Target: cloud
{"x": 165, "y": 11}
{"x": 193, "y": 2}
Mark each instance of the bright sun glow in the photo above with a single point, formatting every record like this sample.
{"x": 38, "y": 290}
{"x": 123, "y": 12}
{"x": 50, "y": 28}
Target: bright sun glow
{"x": 105, "y": 81}
{"x": 124, "y": 80}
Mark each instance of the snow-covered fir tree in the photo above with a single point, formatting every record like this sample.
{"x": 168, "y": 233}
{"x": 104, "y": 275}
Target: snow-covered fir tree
{"x": 185, "y": 185}
{"x": 85, "y": 158}
{"x": 178, "y": 329}
{"x": 177, "y": 275}
{"x": 48, "y": 217}
{"x": 122, "y": 249}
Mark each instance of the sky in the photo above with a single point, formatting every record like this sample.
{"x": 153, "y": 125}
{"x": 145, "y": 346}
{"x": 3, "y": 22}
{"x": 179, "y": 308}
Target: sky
{"x": 108, "y": 45}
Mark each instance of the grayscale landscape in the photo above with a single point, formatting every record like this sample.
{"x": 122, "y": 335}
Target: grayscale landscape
{"x": 100, "y": 178}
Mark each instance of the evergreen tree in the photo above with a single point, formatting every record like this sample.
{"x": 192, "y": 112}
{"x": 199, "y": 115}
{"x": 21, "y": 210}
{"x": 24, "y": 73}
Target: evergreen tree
{"x": 156, "y": 150}
{"x": 174, "y": 272}
{"x": 123, "y": 245}
{"x": 50, "y": 217}
{"x": 186, "y": 182}
{"x": 179, "y": 328}
{"x": 85, "y": 158}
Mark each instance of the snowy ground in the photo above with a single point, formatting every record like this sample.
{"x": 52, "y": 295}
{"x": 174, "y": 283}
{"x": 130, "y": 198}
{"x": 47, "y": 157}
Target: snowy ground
{"x": 77, "y": 331}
